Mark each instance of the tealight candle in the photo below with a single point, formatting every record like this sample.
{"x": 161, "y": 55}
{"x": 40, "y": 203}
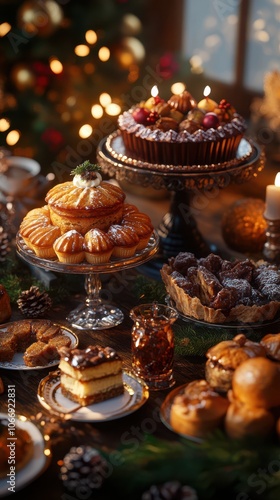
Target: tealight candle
{"x": 272, "y": 210}
{"x": 207, "y": 104}
{"x": 154, "y": 99}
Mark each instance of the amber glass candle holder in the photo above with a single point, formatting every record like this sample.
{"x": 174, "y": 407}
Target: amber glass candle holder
{"x": 152, "y": 344}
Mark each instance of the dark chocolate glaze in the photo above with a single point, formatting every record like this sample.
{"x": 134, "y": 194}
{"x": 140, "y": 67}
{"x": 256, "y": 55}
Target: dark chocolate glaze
{"x": 91, "y": 356}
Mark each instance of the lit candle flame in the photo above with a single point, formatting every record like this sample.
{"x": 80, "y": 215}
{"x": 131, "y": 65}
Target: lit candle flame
{"x": 277, "y": 180}
{"x": 207, "y": 91}
{"x": 154, "y": 91}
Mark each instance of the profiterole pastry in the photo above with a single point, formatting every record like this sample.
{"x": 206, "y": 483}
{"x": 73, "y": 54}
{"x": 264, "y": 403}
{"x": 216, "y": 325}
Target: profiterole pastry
{"x": 90, "y": 375}
{"x": 198, "y": 410}
{"x": 98, "y": 246}
{"x": 225, "y": 357}
{"x": 69, "y": 247}
{"x": 86, "y": 202}
{"x": 242, "y": 421}
{"x": 256, "y": 383}
{"x": 271, "y": 345}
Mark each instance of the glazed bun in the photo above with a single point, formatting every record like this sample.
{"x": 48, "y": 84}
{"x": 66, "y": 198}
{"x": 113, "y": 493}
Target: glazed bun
{"x": 242, "y": 421}
{"x": 225, "y": 357}
{"x": 198, "y": 410}
{"x": 271, "y": 344}
{"x": 256, "y": 383}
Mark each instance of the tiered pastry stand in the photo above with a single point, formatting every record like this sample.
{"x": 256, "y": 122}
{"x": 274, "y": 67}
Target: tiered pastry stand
{"x": 178, "y": 229}
{"x": 94, "y": 313}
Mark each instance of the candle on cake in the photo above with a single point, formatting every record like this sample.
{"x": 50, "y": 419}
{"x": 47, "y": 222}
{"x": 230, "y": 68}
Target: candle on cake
{"x": 154, "y": 99}
{"x": 207, "y": 104}
{"x": 272, "y": 209}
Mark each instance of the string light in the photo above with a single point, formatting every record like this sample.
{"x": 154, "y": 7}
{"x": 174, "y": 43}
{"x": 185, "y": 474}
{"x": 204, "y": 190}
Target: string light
{"x": 81, "y": 50}
{"x": 113, "y": 109}
{"x": 4, "y": 124}
{"x": 4, "y": 29}
{"x": 12, "y": 137}
{"x": 85, "y": 131}
{"x": 97, "y": 111}
{"x": 105, "y": 99}
{"x": 177, "y": 88}
{"x": 104, "y": 54}
{"x": 56, "y": 66}
{"x": 91, "y": 37}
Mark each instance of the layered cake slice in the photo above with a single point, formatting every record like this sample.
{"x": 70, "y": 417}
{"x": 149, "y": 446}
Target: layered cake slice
{"x": 90, "y": 375}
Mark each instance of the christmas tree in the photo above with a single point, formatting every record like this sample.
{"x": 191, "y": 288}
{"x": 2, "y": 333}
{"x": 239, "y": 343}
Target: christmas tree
{"x": 67, "y": 69}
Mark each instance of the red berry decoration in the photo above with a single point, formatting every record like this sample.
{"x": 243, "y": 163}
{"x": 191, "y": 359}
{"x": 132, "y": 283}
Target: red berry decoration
{"x": 210, "y": 120}
{"x": 153, "y": 117}
{"x": 158, "y": 99}
{"x": 140, "y": 115}
{"x": 224, "y": 104}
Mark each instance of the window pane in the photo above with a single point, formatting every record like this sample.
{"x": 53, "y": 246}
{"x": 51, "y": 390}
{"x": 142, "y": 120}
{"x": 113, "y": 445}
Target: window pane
{"x": 263, "y": 42}
{"x": 209, "y": 37}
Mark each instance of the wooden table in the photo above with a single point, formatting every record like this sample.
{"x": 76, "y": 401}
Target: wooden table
{"x": 110, "y": 434}
{"x": 106, "y": 435}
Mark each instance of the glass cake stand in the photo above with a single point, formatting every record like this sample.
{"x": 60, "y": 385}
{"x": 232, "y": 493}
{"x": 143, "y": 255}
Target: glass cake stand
{"x": 94, "y": 313}
{"x": 178, "y": 229}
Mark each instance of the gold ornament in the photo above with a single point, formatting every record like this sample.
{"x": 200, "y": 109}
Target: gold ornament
{"x": 131, "y": 25}
{"x": 130, "y": 51}
{"x": 40, "y": 18}
{"x": 244, "y": 226}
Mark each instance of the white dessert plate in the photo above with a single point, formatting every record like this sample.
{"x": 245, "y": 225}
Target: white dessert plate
{"x": 17, "y": 363}
{"x": 38, "y": 462}
{"x": 135, "y": 395}
{"x": 165, "y": 413}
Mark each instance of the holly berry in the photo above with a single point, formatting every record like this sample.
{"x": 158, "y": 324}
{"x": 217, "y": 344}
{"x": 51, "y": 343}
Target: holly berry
{"x": 153, "y": 117}
{"x": 210, "y": 120}
{"x": 140, "y": 115}
{"x": 224, "y": 104}
{"x": 158, "y": 100}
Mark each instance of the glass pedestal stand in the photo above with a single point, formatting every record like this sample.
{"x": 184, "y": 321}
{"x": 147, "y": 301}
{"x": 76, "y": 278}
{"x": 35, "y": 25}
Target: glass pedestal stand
{"x": 94, "y": 313}
{"x": 178, "y": 229}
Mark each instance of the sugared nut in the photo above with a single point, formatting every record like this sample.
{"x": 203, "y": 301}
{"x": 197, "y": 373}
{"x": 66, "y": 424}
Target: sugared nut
{"x": 2, "y": 389}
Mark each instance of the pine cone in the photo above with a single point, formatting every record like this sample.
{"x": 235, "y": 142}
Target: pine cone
{"x": 172, "y": 490}
{"x": 84, "y": 468}
{"x": 4, "y": 244}
{"x": 34, "y": 304}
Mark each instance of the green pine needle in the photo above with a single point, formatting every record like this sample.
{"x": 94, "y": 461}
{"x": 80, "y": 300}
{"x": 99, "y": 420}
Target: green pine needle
{"x": 84, "y": 167}
{"x": 148, "y": 291}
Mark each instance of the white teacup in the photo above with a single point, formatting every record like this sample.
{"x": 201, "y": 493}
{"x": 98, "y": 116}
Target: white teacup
{"x": 18, "y": 175}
